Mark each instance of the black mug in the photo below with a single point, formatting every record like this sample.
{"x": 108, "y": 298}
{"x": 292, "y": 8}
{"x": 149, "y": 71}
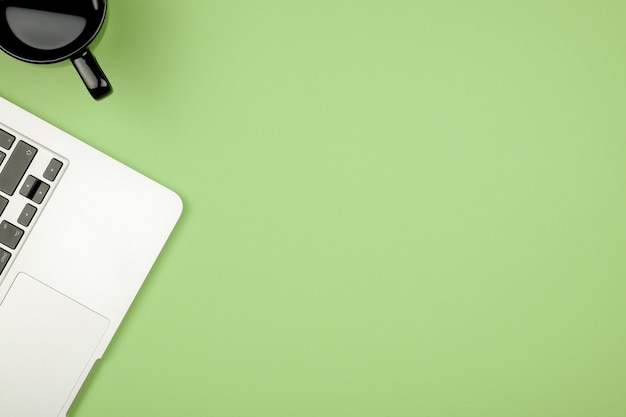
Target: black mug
{"x": 48, "y": 31}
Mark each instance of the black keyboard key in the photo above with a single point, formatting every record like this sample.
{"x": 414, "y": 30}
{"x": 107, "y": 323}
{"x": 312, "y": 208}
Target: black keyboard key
{"x": 3, "y": 204}
{"x": 29, "y": 188}
{"x": 27, "y": 215}
{"x": 4, "y": 259}
{"x": 2, "y": 156}
{"x": 16, "y": 167}
{"x": 34, "y": 189}
{"x": 10, "y": 235}
{"x": 53, "y": 169}
{"x": 41, "y": 192}
{"x": 6, "y": 139}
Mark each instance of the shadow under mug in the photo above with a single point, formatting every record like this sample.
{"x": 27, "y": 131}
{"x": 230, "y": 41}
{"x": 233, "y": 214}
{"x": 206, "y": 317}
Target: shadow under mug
{"x": 45, "y": 32}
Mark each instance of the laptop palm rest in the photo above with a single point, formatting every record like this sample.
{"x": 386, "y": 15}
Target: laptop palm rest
{"x": 47, "y": 342}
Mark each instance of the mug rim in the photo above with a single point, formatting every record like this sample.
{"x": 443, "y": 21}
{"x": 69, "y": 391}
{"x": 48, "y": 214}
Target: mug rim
{"x": 73, "y": 52}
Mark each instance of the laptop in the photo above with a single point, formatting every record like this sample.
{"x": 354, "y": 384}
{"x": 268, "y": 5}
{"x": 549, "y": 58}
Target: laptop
{"x": 79, "y": 233}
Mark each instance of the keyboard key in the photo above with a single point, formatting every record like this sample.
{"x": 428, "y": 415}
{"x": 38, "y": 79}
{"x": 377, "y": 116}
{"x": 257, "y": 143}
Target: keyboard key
{"x": 3, "y": 204}
{"x": 27, "y": 215}
{"x": 16, "y": 167}
{"x": 53, "y": 169}
{"x": 4, "y": 259}
{"x": 6, "y": 139}
{"x": 2, "y": 156}
{"x": 29, "y": 188}
{"x": 10, "y": 235}
{"x": 34, "y": 189}
{"x": 41, "y": 192}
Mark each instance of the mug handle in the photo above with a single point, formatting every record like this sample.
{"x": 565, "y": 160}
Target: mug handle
{"x": 91, "y": 74}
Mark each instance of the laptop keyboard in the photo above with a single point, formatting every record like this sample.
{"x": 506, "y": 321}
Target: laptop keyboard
{"x": 29, "y": 173}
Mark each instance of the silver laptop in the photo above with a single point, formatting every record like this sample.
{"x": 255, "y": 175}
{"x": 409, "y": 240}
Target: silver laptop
{"x": 79, "y": 232}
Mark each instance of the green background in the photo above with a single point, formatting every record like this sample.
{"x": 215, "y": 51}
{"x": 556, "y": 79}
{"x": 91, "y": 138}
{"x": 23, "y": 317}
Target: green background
{"x": 399, "y": 208}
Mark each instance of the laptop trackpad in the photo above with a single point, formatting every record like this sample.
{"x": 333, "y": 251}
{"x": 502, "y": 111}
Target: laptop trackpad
{"x": 46, "y": 341}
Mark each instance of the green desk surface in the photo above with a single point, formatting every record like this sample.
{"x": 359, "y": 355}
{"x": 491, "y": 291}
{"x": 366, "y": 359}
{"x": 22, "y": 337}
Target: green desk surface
{"x": 398, "y": 208}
